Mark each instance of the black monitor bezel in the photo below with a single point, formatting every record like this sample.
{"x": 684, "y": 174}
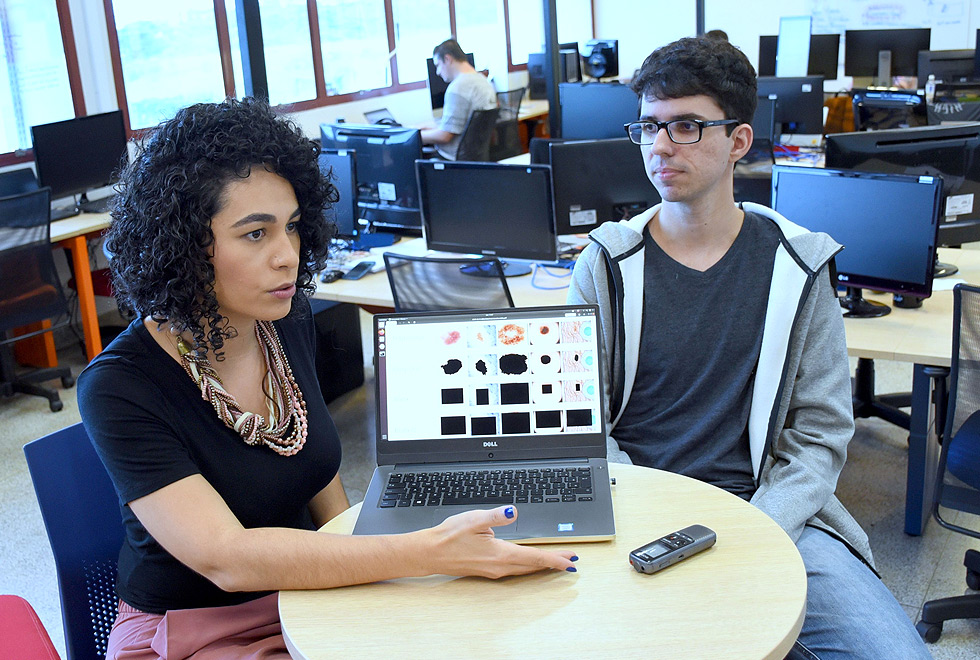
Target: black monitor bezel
{"x": 55, "y": 153}
{"x": 927, "y": 60}
{"x": 519, "y": 250}
{"x": 348, "y": 198}
{"x": 810, "y": 104}
{"x": 607, "y": 114}
{"x": 820, "y": 62}
{"x": 861, "y": 49}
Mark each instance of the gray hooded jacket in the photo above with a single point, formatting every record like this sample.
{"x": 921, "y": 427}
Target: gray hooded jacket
{"x": 800, "y": 420}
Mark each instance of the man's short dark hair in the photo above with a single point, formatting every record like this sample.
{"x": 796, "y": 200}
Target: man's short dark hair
{"x": 451, "y": 48}
{"x": 717, "y": 34}
{"x": 698, "y": 65}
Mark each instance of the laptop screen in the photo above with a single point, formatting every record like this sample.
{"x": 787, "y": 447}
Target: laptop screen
{"x": 497, "y": 384}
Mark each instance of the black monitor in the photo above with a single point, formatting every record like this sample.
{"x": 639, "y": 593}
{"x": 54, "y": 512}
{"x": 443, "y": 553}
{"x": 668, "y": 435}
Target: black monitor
{"x": 437, "y": 86}
{"x": 387, "y": 195}
{"x": 823, "y": 60}
{"x": 78, "y": 155}
{"x": 862, "y": 49}
{"x": 595, "y": 111}
{"x": 537, "y": 83}
{"x": 597, "y": 181}
{"x": 340, "y": 166}
{"x": 887, "y": 224}
{"x": 490, "y": 209}
{"x": 799, "y": 103}
{"x": 948, "y": 66}
{"x": 951, "y": 152}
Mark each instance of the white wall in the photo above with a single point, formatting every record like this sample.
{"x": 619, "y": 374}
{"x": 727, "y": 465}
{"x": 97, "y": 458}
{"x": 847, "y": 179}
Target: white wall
{"x": 642, "y": 26}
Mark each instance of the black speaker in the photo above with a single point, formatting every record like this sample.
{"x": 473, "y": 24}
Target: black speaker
{"x": 537, "y": 85}
{"x": 601, "y": 58}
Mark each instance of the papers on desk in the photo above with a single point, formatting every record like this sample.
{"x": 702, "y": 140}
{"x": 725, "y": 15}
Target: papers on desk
{"x": 946, "y": 283}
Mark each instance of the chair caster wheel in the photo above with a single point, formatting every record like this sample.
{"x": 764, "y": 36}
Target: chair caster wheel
{"x": 973, "y": 580}
{"x": 930, "y": 632}
{"x": 67, "y": 381}
{"x": 56, "y": 405}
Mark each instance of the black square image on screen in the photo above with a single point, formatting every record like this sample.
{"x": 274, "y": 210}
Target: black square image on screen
{"x": 515, "y": 423}
{"x": 511, "y": 393}
{"x": 546, "y": 388}
{"x": 580, "y": 417}
{"x": 548, "y": 419}
{"x": 452, "y": 395}
{"x": 483, "y": 397}
{"x": 484, "y": 425}
{"x": 453, "y": 425}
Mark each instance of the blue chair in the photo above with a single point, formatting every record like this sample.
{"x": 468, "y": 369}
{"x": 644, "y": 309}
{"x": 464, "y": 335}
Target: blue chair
{"x": 958, "y": 481}
{"x": 80, "y": 510}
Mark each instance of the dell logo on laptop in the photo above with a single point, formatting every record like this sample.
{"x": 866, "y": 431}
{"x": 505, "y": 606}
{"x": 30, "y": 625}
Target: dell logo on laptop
{"x": 489, "y": 444}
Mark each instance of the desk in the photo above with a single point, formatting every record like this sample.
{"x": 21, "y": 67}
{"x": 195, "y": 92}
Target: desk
{"x": 73, "y": 233}
{"x": 533, "y": 112}
{"x": 923, "y": 337}
{"x": 742, "y": 598}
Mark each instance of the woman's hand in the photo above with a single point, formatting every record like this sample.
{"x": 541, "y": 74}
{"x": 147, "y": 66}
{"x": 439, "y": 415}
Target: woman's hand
{"x": 465, "y": 544}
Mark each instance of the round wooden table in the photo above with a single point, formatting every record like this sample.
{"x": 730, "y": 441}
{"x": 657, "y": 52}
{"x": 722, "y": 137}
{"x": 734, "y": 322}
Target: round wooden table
{"x": 743, "y": 598}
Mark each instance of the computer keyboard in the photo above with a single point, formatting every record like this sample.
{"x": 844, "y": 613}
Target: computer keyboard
{"x": 488, "y": 487}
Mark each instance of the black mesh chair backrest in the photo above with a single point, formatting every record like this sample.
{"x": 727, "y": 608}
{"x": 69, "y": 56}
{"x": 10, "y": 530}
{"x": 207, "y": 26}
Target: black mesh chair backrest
{"x": 15, "y": 182}
{"x": 964, "y": 395}
{"x": 428, "y": 283}
{"x": 474, "y": 145}
{"x": 510, "y": 102}
{"x": 80, "y": 510}
{"x": 30, "y": 290}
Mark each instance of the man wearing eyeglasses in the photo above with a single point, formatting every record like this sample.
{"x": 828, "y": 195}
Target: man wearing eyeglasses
{"x": 727, "y": 359}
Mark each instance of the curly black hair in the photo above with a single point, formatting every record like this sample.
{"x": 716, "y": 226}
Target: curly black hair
{"x": 700, "y": 65}
{"x": 160, "y": 238}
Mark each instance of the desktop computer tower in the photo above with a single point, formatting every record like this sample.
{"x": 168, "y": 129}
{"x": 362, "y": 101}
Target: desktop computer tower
{"x": 339, "y": 358}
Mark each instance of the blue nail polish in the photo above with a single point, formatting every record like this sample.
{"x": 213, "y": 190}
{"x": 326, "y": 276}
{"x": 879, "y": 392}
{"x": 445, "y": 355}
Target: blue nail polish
{"x": 572, "y": 569}
{"x": 575, "y": 558}
{"x": 509, "y": 512}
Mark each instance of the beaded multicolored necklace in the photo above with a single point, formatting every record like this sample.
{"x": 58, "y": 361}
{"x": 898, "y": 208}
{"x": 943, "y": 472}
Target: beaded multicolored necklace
{"x": 285, "y": 432}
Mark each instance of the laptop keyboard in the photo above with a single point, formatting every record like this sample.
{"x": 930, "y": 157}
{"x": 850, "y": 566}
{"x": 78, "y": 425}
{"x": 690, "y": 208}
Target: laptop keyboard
{"x": 488, "y": 487}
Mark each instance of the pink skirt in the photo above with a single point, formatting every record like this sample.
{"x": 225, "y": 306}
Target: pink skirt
{"x": 247, "y": 631}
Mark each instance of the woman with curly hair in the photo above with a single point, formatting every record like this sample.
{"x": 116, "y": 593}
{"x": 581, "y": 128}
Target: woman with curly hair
{"x": 206, "y": 410}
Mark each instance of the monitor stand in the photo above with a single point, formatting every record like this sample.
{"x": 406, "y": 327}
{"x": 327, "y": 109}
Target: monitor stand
{"x": 857, "y": 307}
{"x": 511, "y": 269}
{"x": 942, "y": 269}
{"x": 95, "y": 206}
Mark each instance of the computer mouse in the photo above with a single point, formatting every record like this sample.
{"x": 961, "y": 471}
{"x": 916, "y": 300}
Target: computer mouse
{"x": 329, "y": 276}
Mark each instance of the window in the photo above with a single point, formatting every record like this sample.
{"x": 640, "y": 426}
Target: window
{"x": 526, "y": 30}
{"x": 168, "y": 55}
{"x": 354, "y": 44}
{"x": 420, "y": 26}
{"x": 34, "y": 80}
{"x": 288, "y": 50}
{"x": 480, "y": 30}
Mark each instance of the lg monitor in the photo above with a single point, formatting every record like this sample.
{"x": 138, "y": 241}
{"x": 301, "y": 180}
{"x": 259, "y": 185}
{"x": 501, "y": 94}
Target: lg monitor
{"x": 491, "y": 209}
{"x": 823, "y": 60}
{"x": 78, "y": 155}
{"x": 887, "y": 224}
{"x": 946, "y": 65}
{"x": 387, "y": 195}
{"x": 884, "y": 53}
{"x": 596, "y": 111}
{"x": 340, "y": 166}
{"x": 437, "y": 86}
{"x": 596, "y": 181}
{"x": 799, "y": 103}
{"x": 950, "y": 152}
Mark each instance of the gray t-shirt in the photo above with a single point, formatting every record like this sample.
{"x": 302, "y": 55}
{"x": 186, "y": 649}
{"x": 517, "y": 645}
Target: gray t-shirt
{"x": 702, "y": 332}
{"x": 466, "y": 93}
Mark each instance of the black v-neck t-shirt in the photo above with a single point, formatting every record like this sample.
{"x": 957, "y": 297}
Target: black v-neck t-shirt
{"x": 151, "y": 427}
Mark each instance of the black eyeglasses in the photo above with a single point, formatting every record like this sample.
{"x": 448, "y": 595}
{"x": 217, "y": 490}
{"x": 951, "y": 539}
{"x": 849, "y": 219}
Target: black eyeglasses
{"x": 680, "y": 131}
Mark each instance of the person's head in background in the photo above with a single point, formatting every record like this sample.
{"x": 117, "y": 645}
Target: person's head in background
{"x": 161, "y": 238}
{"x": 450, "y": 60}
{"x": 720, "y": 35}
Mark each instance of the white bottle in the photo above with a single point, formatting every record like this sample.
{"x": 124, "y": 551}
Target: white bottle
{"x": 930, "y": 88}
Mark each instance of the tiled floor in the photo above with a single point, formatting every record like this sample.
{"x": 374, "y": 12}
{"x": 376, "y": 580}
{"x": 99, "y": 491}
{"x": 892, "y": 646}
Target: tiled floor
{"x": 872, "y": 486}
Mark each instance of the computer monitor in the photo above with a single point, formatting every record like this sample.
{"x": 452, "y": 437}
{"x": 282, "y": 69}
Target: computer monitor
{"x": 864, "y": 52}
{"x": 437, "y": 86}
{"x": 595, "y": 111}
{"x": 799, "y": 103}
{"x": 78, "y": 155}
{"x": 946, "y": 65}
{"x": 823, "y": 60}
{"x": 491, "y": 209}
{"x": 877, "y": 109}
{"x": 950, "y": 152}
{"x": 793, "y": 46}
{"x": 597, "y": 181}
{"x": 887, "y": 224}
{"x": 340, "y": 166}
{"x": 387, "y": 194}
{"x": 537, "y": 84}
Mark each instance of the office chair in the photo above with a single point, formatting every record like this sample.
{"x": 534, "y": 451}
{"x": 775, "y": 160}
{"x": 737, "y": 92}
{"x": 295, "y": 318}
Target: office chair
{"x": 30, "y": 291}
{"x": 80, "y": 510}
{"x": 428, "y": 283}
{"x": 22, "y": 635}
{"x": 15, "y": 182}
{"x": 509, "y": 102}
{"x": 960, "y": 458}
{"x": 506, "y": 139}
{"x": 474, "y": 145}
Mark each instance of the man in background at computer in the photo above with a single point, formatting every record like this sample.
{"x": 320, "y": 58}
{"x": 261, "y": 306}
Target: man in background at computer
{"x": 468, "y": 90}
{"x": 727, "y": 358}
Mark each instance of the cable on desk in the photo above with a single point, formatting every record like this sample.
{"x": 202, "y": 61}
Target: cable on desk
{"x": 535, "y": 268}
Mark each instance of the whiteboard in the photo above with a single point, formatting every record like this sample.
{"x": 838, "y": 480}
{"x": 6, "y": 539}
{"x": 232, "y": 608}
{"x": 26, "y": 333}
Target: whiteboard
{"x": 949, "y": 20}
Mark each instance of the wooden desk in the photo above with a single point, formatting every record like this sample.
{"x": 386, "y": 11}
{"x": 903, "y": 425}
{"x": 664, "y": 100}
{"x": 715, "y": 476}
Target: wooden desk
{"x": 73, "y": 233}
{"x": 743, "y": 598}
{"x": 533, "y": 116}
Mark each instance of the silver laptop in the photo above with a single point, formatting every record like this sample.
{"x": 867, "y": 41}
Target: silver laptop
{"x": 481, "y": 408}
{"x": 381, "y": 116}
